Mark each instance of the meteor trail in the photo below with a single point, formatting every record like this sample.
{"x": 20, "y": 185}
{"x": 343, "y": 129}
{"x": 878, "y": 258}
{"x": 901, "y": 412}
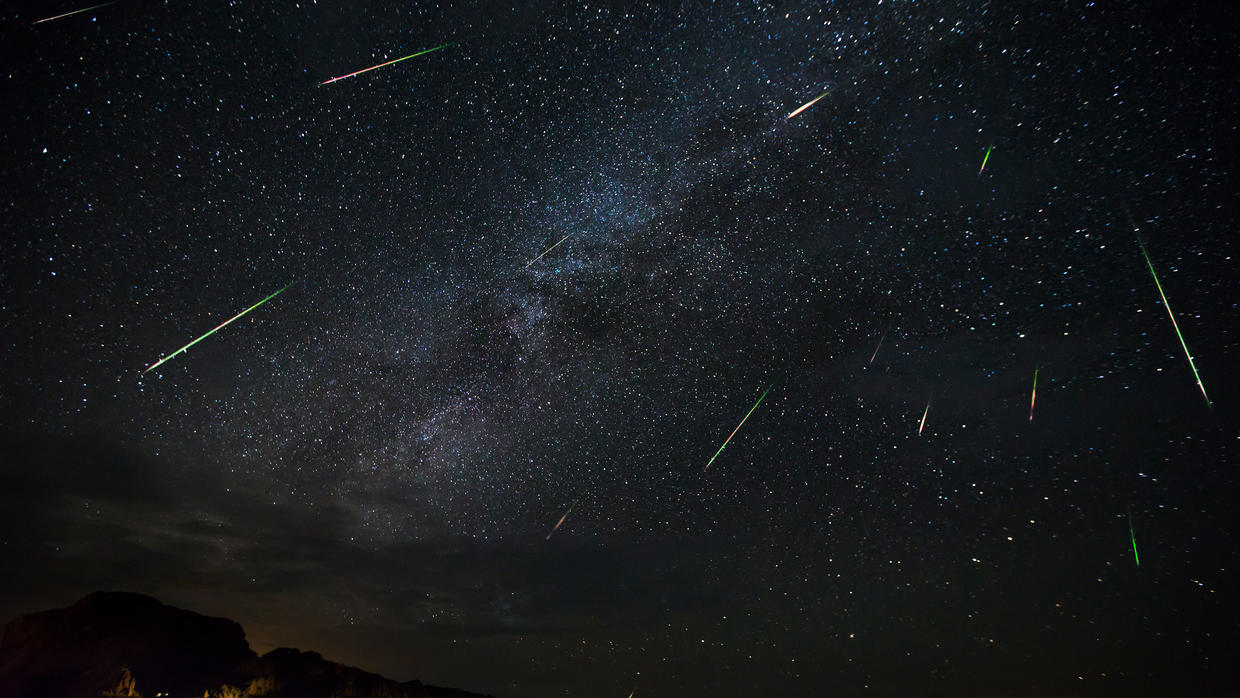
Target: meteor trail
{"x": 923, "y": 418}
{"x": 1176, "y": 326}
{"x": 807, "y": 105}
{"x": 527, "y": 264}
{"x": 159, "y": 363}
{"x": 880, "y": 341}
{"x": 738, "y": 427}
{"x": 373, "y": 67}
{"x": 75, "y": 12}
{"x": 1033, "y": 399}
{"x": 565, "y": 516}
{"x": 984, "y": 159}
{"x": 1133, "y": 535}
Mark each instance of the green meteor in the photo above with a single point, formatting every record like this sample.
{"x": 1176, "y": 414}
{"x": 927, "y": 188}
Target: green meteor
{"x": 1133, "y": 535}
{"x": 1174, "y": 324}
{"x": 738, "y": 427}
{"x": 985, "y": 159}
{"x": 159, "y": 363}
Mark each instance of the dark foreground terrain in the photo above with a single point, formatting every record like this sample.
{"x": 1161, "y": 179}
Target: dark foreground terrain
{"x": 121, "y": 644}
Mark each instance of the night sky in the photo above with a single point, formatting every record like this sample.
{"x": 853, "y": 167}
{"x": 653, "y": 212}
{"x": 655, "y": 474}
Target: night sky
{"x": 369, "y": 464}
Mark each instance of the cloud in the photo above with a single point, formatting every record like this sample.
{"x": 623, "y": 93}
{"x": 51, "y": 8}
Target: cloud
{"x": 86, "y": 513}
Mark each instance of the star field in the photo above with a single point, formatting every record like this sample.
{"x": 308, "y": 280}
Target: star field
{"x": 370, "y": 464}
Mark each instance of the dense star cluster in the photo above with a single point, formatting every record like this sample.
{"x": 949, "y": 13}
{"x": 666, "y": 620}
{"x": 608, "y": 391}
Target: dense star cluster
{"x": 541, "y": 273}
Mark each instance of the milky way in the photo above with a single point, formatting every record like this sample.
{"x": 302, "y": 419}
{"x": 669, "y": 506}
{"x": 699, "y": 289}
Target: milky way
{"x": 548, "y": 267}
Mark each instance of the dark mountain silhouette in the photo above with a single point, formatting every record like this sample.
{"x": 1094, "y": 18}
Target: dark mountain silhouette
{"x": 121, "y": 644}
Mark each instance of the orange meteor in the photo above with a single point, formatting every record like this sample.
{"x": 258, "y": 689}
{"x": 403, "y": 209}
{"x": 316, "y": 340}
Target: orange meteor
{"x": 807, "y": 105}
{"x": 923, "y": 418}
{"x": 381, "y": 65}
{"x": 75, "y": 12}
{"x": 561, "y": 521}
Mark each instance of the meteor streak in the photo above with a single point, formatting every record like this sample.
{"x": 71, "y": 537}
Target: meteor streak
{"x": 565, "y": 516}
{"x": 1033, "y": 399}
{"x": 1133, "y": 535}
{"x": 527, "y": 264}
{"x": 75, "y": 12}
{"x": 159, "y": 363}
{"x": 880, "y": 342}
{"x": 807, "y": 105}
{"x": 374, "y": 67}
{"x": 738, "y": 427}
{"x": 1174, "y": 325}
{"x": 923, "y": 418}
{"x": 984, "y": 159}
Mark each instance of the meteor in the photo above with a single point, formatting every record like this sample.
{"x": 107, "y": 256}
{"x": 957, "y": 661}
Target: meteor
{"x": 738, "y": 427}
{"x": 565, "y": 516}
{"x": 159, "y": 363}
{"x": 527, "y": 264}
{"x": 880, "y": 341}
{"x": 984, "y": 159}
{"x": 1033, "y": 399}
{"x": 75, "y": 12}
{"x": 923, "y": 418}
{"x": 1133, "y": 535}
{"x": 807, "y": 105}
{"x": 374, "y": 67}
{"x": 1174, "y": 325}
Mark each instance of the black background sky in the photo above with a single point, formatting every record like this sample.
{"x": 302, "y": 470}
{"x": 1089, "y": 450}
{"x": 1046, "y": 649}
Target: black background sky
{"x": 369, "y": 464}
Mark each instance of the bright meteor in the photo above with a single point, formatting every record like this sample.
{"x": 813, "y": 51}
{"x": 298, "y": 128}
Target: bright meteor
{"x": 1034, "y": 398}
{"x": 1132, "y": 534}
{"x": 923, "y": 418}
{"x": 985, "y": 159}
{"x": 159, "y": 363}
{"x": 1174, "y": 325}
{"x": 738, "y": 428}
{"x": 561, "y": 521}
{"x": 374, "y": 67}
{"x": 807, "y": 105}
{"x": 75, "y": 12}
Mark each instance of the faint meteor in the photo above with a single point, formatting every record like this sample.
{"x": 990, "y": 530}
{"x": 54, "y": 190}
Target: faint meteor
{"x": 923, "y": 418}
{"x": 880, "y": 341}
{"x": 738, "y": 427}
{"x": 807, "y": 105}
{"x": 75, "y": 12}
{"x": 159, "y": 363}
{"x": 985, "y": 159}
{"x": 527, "y": 264}
{"x": 1133, "y": 535}
{"x": 1171, "y": 315}
{"x": 381, "y": 65}
{"x": 1034, "y": 398}
{"x": 565, "y": 516}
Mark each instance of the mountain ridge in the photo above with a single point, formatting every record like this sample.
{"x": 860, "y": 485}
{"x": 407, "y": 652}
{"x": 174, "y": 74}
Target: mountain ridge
{"x": 128, "y": 644}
